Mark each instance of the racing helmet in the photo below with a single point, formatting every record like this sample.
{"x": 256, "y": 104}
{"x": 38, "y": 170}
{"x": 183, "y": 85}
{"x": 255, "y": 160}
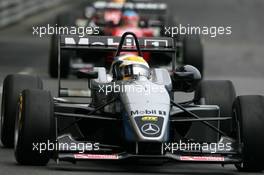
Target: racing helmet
{"x": 119, "y": 1}
{"x": 128, "y": 67}
{"x": 130, "y": 18}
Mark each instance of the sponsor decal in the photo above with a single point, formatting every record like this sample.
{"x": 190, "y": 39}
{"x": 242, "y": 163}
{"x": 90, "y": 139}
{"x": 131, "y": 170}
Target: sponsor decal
{"x": 202, "y": 158}
{"x": 95, "y": 156}
{"x": 139, "y": 112}
{"x": 149, "y": 126}
{"x": 155, "y": 42}
{"x": 114, "y": 41}
{"x": 150, "y": 129}
{"x": 149, "y": 118}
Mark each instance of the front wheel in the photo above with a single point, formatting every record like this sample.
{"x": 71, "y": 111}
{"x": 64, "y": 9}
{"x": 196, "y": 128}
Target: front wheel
{"x": 13, "y": 85}
{"x": 35, "y": 126}
{"x": 249, "y": 112}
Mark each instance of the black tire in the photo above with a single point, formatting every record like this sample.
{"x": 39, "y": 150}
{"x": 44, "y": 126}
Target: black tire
{"x": 35, "y": 123}
{"x": 221, "y": 93}
{"x": 53, "y": 60}
{"x": 250, "y": 116}
{"x": 13, "y": 85}
{"x": 192, "y": 52}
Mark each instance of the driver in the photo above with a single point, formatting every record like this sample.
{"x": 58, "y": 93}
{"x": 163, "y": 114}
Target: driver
{"x": 129, "y": 67}
{"x": 129, "y": 18}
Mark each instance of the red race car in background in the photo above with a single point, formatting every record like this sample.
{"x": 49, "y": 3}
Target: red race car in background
{"x": 144, "y": 18}
{"x": 129, "y": 22}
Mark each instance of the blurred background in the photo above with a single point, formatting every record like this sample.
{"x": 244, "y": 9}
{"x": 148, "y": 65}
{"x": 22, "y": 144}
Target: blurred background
{"x": 238, "y": 57}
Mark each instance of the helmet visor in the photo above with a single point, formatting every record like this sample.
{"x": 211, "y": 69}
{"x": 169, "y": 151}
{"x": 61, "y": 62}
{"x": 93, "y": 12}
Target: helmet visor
{"x": 134, "y": 70}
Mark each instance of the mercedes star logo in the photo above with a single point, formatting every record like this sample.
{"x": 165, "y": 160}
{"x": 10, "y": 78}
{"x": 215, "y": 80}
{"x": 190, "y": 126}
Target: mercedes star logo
{"x": 150, "y": 129}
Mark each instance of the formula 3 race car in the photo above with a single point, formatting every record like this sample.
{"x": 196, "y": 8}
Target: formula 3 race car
{"x": 131, "y": 113}
{"x": 145, "y": 19}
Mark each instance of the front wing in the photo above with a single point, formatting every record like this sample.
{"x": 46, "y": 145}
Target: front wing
{"x": 110, "y": 152}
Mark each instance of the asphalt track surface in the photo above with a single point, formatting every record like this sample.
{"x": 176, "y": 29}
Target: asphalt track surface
{"x": 239, "y": 57}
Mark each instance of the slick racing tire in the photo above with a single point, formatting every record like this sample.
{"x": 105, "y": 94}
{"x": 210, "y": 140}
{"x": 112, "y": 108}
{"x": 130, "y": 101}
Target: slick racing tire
{"x": 221, "y": 93}
{"x": 35, "y": 126}
{"x": 192, "y": 52}
{"x": 13, "y": 85}
{"x": 250, "y": 116}
{"x": 53, "y": 60}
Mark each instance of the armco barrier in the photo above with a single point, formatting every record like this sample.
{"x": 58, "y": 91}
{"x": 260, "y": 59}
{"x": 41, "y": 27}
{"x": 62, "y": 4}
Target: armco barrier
{"x": 14, "y": 10}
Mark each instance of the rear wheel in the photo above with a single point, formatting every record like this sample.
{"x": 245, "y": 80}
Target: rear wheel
{"x": 35, "y": 125}
{"x": 192, "y": 51}
{"x": 13, "y": 85}
{"x": 221, "y": 93}
{"x": 250, "y": 117}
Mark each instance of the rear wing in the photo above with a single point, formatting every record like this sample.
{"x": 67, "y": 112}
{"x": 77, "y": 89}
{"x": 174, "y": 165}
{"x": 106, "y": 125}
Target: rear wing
{"x": 138, "y": 6}
{"x": 110, "y": 43}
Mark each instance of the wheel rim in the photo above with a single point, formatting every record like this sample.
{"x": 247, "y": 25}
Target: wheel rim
{"x": 18, "y": 123}
{"x": 2, "y": 112}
